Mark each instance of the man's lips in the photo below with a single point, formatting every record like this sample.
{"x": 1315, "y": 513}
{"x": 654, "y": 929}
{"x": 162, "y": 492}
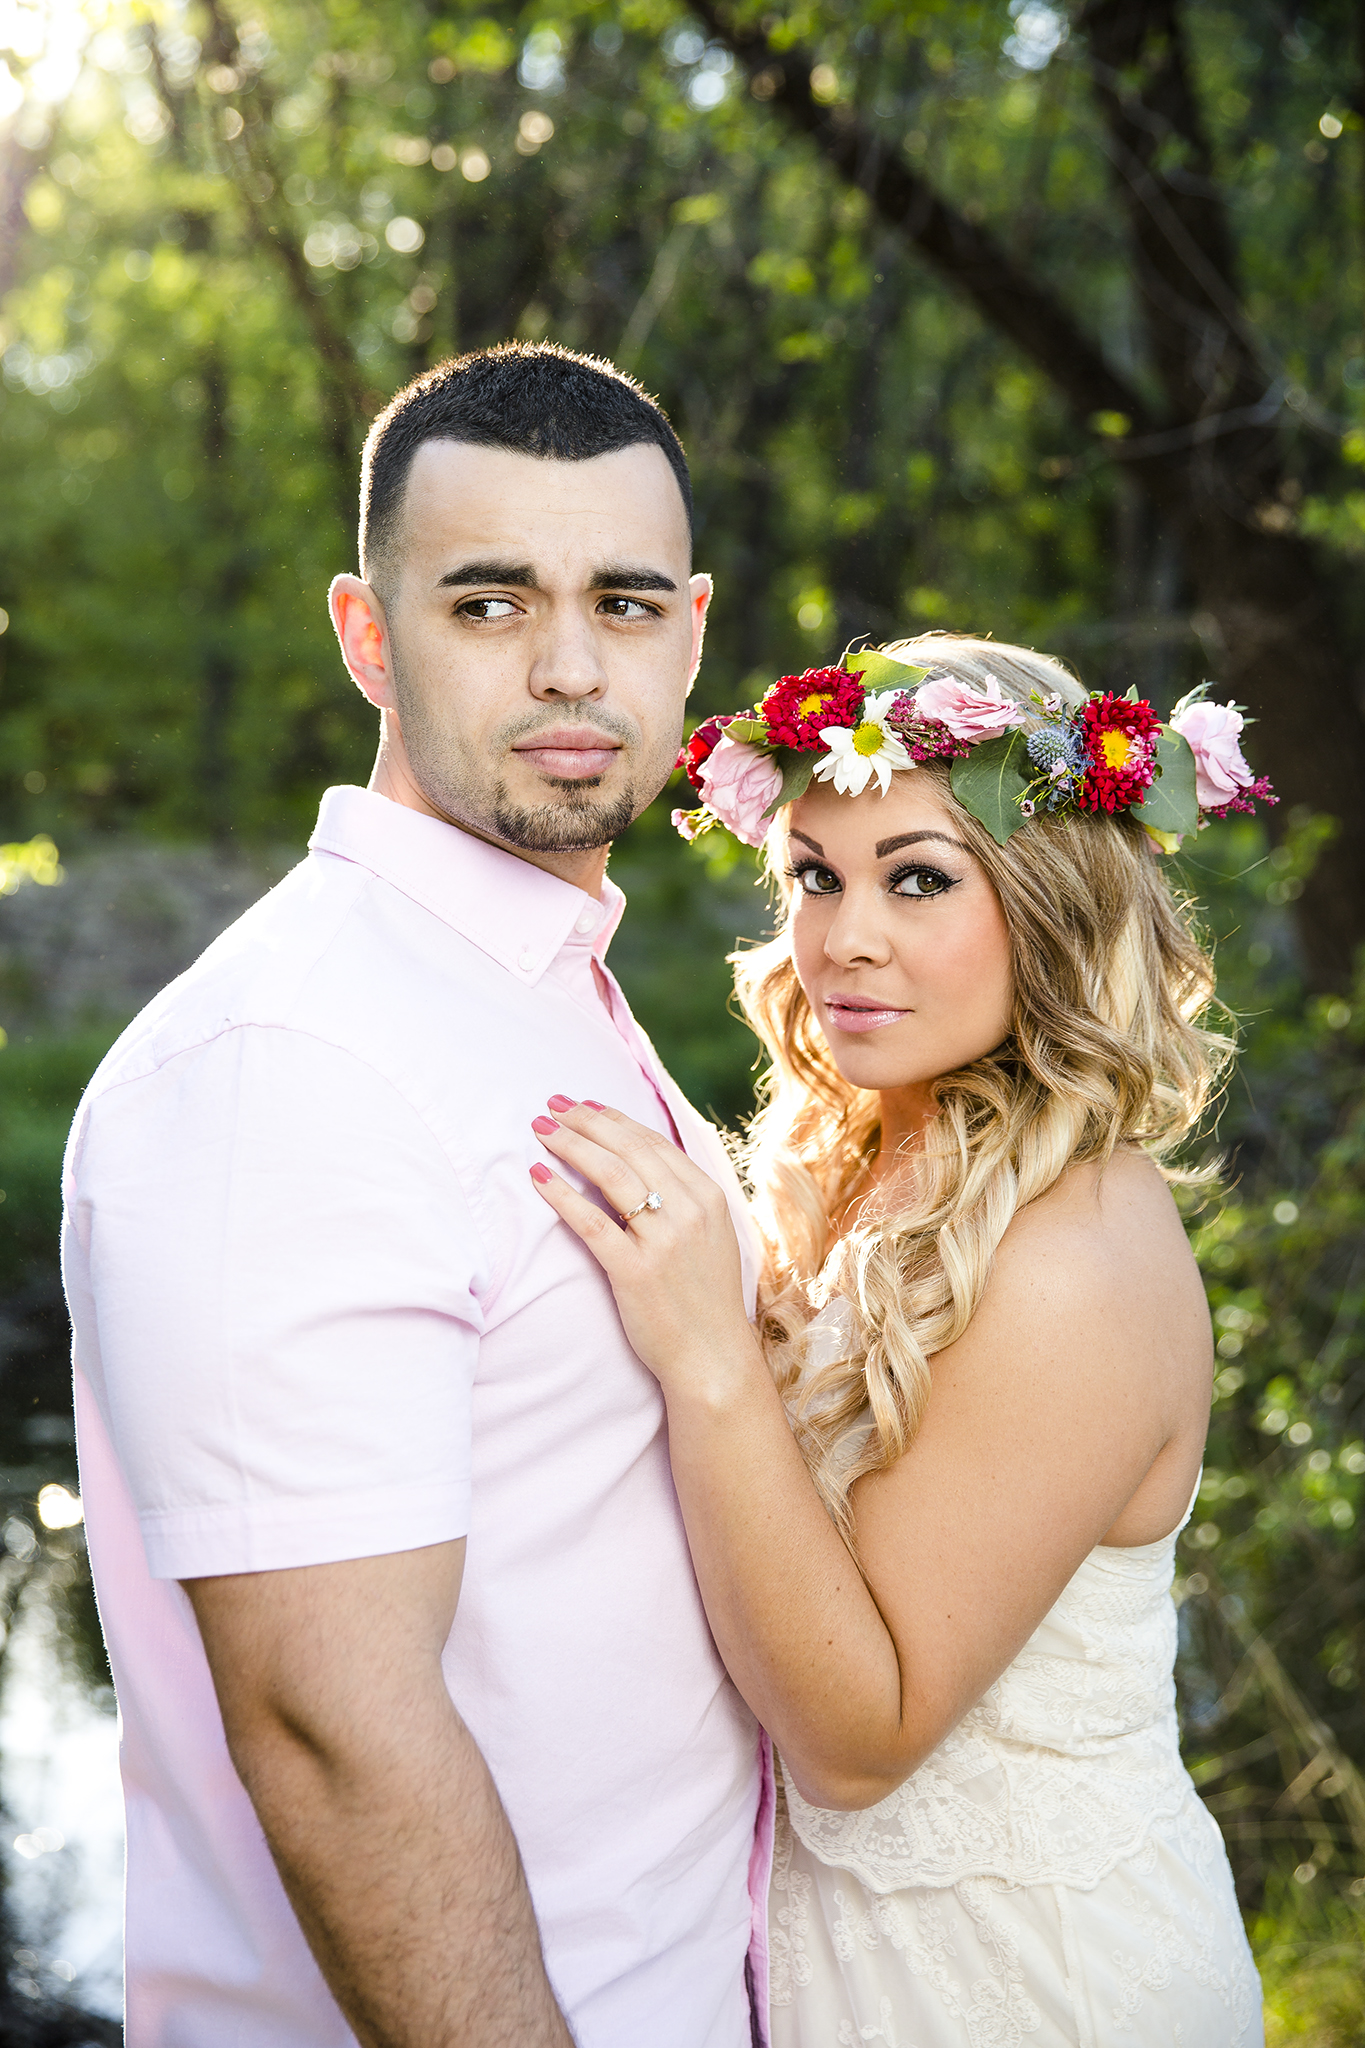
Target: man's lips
{"x": 860, "y": 1013}
{"x": 569, "y": 753}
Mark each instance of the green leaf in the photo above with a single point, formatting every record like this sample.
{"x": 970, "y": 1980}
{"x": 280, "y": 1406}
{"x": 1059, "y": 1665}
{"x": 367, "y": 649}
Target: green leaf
{"x": 1172, "y": 803}
{"x": 880, "y": 672}
{"x": 751, "y": 731}
{"x": 797, "y": 770}
{"x": 991, "y": 780}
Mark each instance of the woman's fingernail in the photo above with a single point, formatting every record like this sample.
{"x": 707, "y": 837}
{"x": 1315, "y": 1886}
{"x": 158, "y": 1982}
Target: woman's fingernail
{"x": 544, "y": 1126}
{"x": 541, "y": 1174}
{"x": 561, "y": 1102}
{"x": 588, "y": 1103}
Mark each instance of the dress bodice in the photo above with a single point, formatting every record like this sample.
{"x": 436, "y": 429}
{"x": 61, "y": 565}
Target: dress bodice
{"x": 1060, "y": 1769}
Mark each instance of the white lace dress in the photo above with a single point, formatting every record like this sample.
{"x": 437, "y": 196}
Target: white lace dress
{"x": 1050, "y": 1876}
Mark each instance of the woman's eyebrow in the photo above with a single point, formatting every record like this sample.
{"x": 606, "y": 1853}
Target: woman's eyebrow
{"x": 885, "y": 846}
{"x": 813, "y": 844}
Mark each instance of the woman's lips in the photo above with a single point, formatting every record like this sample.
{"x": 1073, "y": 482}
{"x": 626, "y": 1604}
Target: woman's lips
{"x": 569, "y": 755}
{"x": 858, "y": 1013}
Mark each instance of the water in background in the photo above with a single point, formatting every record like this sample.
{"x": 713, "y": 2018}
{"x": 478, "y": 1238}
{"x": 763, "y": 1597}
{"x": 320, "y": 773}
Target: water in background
{"x": 62, "y": 1816}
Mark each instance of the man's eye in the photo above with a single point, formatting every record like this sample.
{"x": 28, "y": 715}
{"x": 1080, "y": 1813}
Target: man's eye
{"x": 487, "y": 608}
{"x": 627, "y": 608}
{"x": 816, "y": 881}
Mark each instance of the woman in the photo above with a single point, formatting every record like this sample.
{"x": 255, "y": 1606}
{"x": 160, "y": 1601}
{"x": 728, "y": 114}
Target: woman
{"x": 933, "y": 1500}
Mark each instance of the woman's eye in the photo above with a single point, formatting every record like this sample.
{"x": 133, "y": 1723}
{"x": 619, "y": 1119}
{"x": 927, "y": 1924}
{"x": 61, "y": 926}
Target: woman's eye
{"x": 921, "y": 882}
{"x": 817, "y": 882}
{"x": 487, "y": 608}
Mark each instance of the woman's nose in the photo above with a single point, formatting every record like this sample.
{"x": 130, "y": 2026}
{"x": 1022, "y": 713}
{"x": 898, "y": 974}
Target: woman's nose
{"x": 857, "y": 936}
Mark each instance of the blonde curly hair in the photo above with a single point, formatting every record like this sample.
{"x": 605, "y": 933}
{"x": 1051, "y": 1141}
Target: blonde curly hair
{"x": 1106, "y": 1048}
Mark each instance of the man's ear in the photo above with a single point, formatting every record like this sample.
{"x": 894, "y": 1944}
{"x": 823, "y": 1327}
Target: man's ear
{"x": 700, "y": 589}
{"x": 363, "y": 632}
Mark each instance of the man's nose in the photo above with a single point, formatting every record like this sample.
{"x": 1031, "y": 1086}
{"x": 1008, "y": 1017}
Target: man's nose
{"x": 566, "y": 663}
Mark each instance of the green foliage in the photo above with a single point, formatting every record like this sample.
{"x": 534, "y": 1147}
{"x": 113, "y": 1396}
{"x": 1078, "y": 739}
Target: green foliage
{"x": 40, "y": 1083}
{"x": 181, "y": 407}
{"x": 990, "y": 781}
{"x": 1273, "y": 1626}
{"x": 1172, "y": 804}
{"x": 1309, "y": 1952}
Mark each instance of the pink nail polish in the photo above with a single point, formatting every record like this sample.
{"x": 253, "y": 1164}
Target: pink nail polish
{"x": 544, "y": 1126}
{"x": 540, "y": 1174}
{"x": 562, "y": 1102}
{"x": 588, "y": 1103}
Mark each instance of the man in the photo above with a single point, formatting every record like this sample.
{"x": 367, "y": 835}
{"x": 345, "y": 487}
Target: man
{"x": 434, "y": 1746}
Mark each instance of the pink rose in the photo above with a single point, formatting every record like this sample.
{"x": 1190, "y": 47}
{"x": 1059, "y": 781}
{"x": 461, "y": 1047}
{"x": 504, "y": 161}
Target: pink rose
{"x": 968, "y": 713}
{"x": 1212, "y": 731}
{"x": 738, "y": 783}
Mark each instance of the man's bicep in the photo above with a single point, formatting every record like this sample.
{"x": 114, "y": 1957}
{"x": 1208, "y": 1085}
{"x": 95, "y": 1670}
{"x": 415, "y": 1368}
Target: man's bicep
{"x": 327, "y": 1650}
{"x": 287, "y": 1281}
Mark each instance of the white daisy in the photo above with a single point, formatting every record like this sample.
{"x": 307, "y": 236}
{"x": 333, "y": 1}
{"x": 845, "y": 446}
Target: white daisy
{"x": 870, "y": 748}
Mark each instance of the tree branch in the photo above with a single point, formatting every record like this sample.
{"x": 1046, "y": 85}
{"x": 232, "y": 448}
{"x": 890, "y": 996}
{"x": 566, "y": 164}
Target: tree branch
{"x": 250, "y": 167}
{"x": 969, "y": 257}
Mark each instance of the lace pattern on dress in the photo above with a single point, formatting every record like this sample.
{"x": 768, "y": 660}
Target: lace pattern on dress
{"x": 1060, "y": 1770}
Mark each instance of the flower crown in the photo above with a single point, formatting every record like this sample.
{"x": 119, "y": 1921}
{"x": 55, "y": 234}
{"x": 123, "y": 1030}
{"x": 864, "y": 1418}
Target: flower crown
{"x": 874, "y": 714}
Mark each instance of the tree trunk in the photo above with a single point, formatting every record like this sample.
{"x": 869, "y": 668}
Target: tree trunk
{"x": 1286, "y": 656}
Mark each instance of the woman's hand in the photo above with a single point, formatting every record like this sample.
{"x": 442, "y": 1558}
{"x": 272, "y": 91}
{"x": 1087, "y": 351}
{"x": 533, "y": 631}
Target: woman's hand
{"x": 675, "y": 1269}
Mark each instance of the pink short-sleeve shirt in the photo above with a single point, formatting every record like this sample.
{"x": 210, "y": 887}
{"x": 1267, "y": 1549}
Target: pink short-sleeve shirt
{"x": 320, "y": 1313}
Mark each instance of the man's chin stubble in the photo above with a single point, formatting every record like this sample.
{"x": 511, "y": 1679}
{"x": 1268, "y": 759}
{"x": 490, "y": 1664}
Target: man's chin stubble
{"x": 575, "y": 825}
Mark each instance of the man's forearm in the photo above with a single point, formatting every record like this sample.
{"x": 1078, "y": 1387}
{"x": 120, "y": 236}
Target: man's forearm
{"x": 403, "y": 1870}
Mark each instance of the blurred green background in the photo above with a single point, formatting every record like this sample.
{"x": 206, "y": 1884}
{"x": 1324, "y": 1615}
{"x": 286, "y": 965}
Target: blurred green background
{"x": 1006, "y": 318}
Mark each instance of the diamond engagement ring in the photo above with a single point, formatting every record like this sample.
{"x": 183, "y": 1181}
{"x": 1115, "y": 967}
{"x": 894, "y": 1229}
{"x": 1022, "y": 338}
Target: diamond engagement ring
{"x": 653, "y": 1200}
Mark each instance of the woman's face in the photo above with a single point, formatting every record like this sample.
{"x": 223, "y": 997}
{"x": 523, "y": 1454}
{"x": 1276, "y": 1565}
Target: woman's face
{"x": 899, "y": 939}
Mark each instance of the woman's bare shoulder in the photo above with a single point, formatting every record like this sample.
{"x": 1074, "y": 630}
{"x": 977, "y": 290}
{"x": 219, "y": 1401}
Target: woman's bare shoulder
{"x": 1109, "y": 1201}
{"x": 1109, "y": 1240}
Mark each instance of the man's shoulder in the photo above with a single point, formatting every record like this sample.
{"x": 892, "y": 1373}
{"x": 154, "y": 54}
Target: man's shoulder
{"x": 258, "y": 972}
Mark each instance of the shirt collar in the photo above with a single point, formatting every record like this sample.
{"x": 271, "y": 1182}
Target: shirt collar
{"x": 516, "y": 913}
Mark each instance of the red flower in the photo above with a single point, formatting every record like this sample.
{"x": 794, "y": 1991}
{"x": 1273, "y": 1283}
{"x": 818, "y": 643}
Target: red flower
{"x": 1119, "y": 738}
{"x": 699, "y": 748}
{"x": 796, "y": 707}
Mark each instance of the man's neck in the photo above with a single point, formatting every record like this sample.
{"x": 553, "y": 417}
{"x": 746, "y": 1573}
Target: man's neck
{"x": 582, "y": 867}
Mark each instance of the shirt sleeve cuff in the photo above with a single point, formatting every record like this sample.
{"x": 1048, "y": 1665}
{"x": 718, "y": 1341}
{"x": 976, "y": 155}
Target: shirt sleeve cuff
{"x": 279, "y": 1535}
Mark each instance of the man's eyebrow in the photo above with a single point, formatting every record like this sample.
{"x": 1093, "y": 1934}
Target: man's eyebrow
{"x": 806, "y": 840}
{"x": 617, "y": 578}
{"x": 520, "y": 574}
{"x": 885, "y": 846}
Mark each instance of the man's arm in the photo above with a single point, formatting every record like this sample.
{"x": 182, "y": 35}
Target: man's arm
{"x": 379, "y": 1810}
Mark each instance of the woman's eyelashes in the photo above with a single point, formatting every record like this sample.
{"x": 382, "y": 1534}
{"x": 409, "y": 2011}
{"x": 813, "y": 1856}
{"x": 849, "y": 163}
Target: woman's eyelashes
{"x": 812, "y": 879}
{"x": 927, "y": 881}
{"x": 915, "y": 881}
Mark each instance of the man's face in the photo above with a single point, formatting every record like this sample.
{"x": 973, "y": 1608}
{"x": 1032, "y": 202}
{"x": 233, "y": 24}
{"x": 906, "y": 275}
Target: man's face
{"x": 539, "y": 639}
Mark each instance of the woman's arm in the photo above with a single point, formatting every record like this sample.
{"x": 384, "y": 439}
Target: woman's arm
{"x": 1084, "y": 1374}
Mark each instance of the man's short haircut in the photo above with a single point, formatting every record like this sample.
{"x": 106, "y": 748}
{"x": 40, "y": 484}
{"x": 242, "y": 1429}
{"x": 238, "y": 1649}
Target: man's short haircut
{"x": 534, "y": 398}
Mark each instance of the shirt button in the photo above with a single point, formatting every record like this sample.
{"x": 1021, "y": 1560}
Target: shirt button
{"x": 526, "y": 962}
{"x": 586, "y": 922}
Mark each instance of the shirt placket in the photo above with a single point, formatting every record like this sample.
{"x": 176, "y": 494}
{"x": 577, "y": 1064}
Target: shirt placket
{"x": 585, "y": 977}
